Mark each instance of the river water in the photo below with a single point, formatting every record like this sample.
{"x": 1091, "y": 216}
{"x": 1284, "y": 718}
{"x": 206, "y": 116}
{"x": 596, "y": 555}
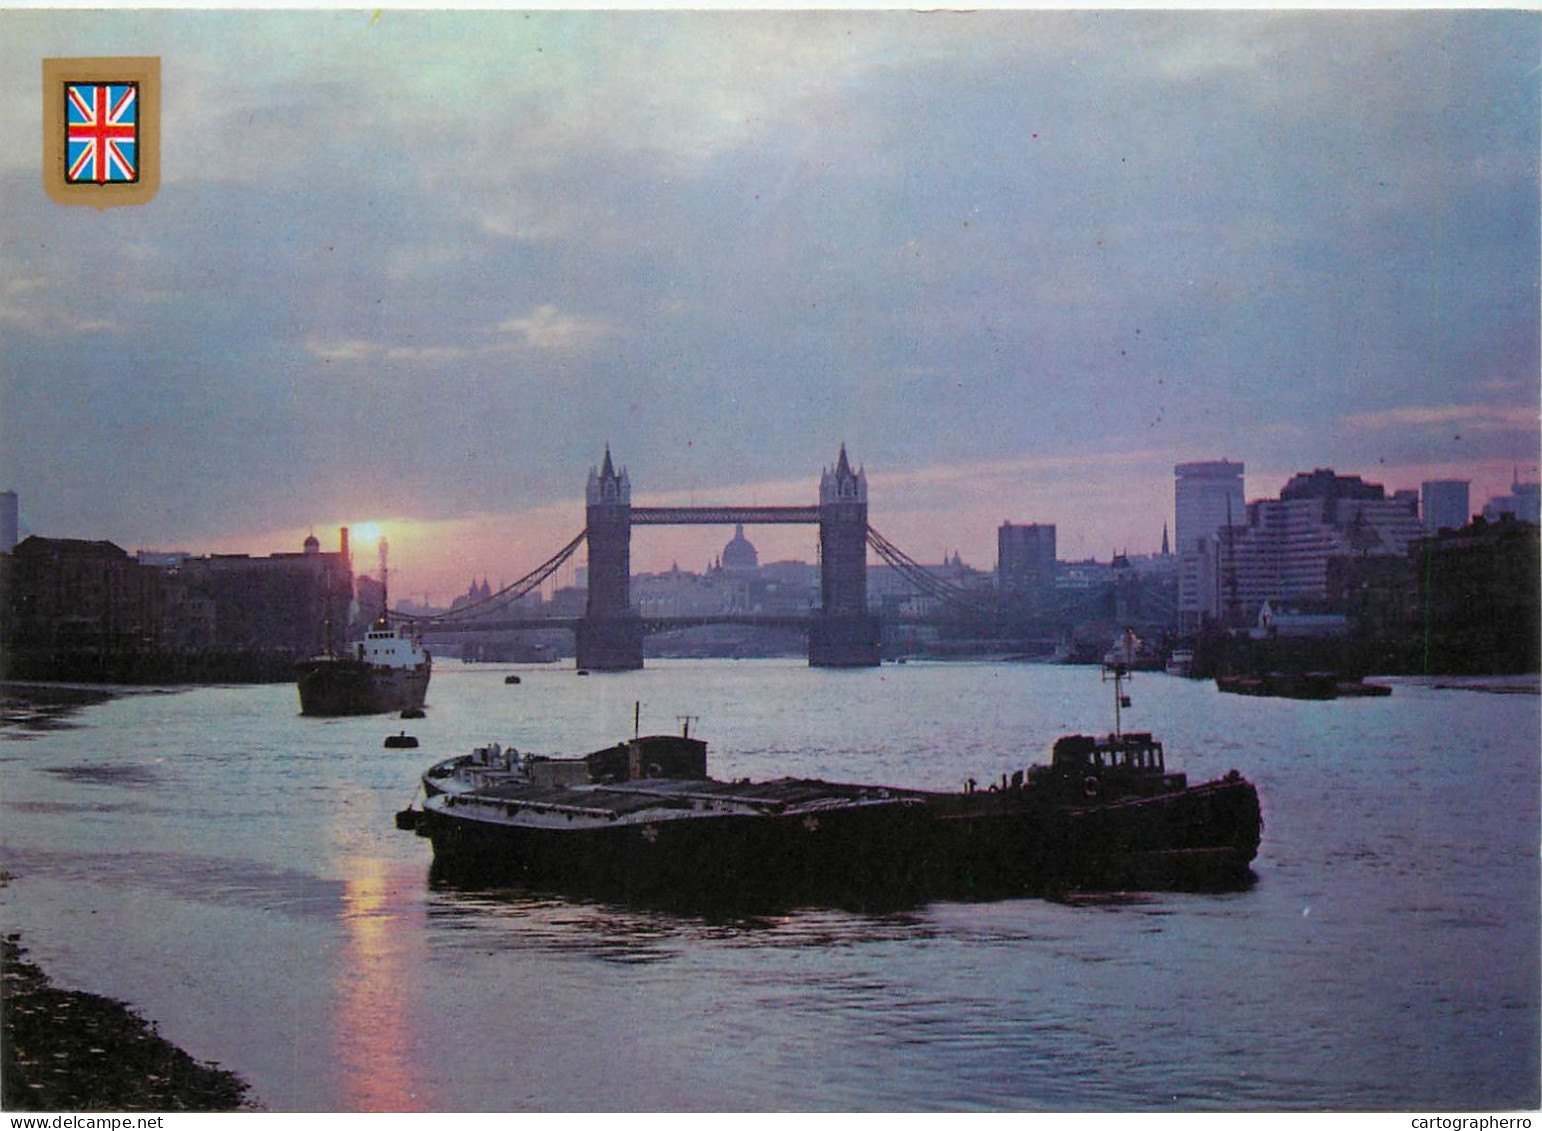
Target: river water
{"x": 232, "y": 870}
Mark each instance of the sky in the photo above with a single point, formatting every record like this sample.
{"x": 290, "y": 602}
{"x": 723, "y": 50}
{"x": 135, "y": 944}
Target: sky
{"x": 418, "y": 270}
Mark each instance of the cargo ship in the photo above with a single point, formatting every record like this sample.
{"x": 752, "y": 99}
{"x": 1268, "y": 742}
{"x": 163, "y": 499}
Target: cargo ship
{"x": 386, "y": 671}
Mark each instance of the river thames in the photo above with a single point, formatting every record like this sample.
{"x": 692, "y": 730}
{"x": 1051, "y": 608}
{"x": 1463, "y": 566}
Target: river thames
{"x": 232, "y": 870}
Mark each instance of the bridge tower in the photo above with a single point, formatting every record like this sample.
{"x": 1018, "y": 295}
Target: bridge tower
{"x": 610, "y": 635}
{"x": 843, "y": 634}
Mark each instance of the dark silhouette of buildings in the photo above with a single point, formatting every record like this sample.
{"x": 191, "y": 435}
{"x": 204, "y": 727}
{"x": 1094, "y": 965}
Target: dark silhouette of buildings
{"x": 1478, "y": 598}
{"x": 77, "y": 609}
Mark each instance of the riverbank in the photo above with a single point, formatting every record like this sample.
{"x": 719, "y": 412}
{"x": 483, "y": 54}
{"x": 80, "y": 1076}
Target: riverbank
{"x": 63, "y": 1050}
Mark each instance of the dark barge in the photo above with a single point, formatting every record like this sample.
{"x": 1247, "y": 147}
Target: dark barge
{"x": 1300, "y": 685}
{"x": 642, "y": 820}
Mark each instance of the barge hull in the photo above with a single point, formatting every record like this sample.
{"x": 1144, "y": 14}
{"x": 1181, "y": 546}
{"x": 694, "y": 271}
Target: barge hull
{"x": 916, "y": 848}
{"x": 859, "y": 853}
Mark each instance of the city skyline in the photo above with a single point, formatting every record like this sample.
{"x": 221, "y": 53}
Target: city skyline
{"x": 418, "y": 269}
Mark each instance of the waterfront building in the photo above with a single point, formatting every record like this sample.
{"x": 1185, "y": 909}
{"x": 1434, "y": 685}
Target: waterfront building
{"x": 1478, "y": 597}
{"x": 1276, "y": 620}
{"x": 77, "y": 608}
{"x": 1524, "y": 502}
{"x": 292, "y": 603}
{"x": 1444, "y": 504}
{"x": 1025, "y": 568}
{"x": 1207, "y": 497}
{"x": 1282, "y": 551}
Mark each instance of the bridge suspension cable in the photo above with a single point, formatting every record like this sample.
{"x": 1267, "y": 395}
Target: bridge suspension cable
{"x": 926, "y": 581}
{"x": 503, "y": 598}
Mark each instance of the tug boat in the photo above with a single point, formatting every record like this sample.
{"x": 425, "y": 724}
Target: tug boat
{"x": 642, "y": 820}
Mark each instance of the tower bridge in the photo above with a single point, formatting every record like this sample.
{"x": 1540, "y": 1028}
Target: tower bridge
{"x": 841, "y": 633}
{"x": 609, "y": 634}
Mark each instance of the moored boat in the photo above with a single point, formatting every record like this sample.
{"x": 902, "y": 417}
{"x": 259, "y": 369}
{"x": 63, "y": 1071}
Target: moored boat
{"x": 1180, "y": 662}
{"x": 642, "y": 819}
{"x": 1283, "y": 685}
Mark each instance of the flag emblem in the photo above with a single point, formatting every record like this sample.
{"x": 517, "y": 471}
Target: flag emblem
{"x": 101, "y": 132}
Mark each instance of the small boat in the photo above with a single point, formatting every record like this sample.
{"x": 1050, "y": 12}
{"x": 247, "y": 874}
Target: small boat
{"x": 1283, "y": 685}
{"x": 1131, "y": 653}
{"x": 1180, "y": 662}
{"x": 1358, "y": 688}
{"x": 402, "y": 741}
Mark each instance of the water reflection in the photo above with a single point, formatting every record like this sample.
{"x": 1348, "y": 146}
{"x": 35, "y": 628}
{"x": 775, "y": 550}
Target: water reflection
{"x": 516, "y": 918}
{"x": 26, "y": 712}
{"x": 377, "y": 984}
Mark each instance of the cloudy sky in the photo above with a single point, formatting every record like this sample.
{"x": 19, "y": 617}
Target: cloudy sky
{"x": 418, "y": 269}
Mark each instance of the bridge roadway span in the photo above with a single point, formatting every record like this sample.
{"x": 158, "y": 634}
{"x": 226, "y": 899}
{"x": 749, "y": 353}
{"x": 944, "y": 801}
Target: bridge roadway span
{"x": 718, "y": 516}
{"x": 650, "y": 624}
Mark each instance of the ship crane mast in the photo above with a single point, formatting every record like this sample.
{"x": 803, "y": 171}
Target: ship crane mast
{"x": 385, "y": 601}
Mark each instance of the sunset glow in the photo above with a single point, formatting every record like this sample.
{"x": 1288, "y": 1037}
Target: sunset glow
{"x": 1020, "y": 263}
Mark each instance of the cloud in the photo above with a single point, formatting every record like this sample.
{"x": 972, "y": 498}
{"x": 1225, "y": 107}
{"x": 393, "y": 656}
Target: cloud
{"x": 38, "y": 307}
{"x": 358, "y": 351}
{"x": 547, "y": 330}
{"x": 1462, "y": 418}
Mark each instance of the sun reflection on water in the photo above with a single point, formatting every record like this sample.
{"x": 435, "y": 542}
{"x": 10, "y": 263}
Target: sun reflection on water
{"x": 372, "y": 1037}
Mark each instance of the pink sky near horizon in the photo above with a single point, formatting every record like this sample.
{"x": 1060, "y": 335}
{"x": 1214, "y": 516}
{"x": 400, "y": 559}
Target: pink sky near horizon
{"x": 929, "y": 514}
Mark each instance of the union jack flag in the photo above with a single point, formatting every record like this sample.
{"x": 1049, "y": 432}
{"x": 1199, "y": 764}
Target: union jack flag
{"x": 101, "y": 132}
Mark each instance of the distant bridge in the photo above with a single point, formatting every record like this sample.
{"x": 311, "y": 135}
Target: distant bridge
{"x": 651, "y": 624}
{"x": 841, "y": 631}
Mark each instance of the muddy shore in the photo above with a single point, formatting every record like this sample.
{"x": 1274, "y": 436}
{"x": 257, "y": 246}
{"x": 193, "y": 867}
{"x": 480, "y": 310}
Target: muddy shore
{"x": 63, "y": 1050}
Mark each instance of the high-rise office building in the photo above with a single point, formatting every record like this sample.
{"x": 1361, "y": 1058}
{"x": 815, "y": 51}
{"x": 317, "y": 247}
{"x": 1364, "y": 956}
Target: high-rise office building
{"x": 1444, "y": 504}
{"x": 1207, "y": 496}
{"x": 1025, "y": 566}
{"x": 10, "y": 521}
